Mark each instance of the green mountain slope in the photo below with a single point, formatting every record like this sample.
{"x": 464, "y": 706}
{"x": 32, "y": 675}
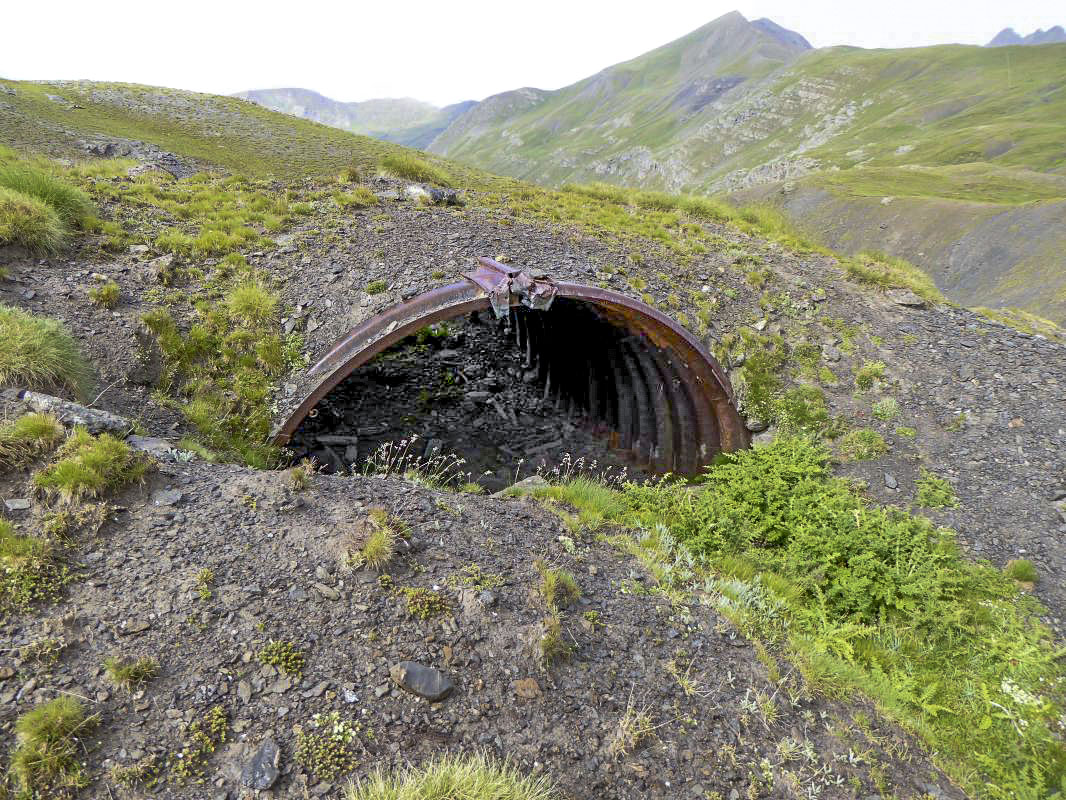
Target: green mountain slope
{"x": 404, "y": 120}
{"x": 973, "y": 136}
{"x": 62, "y": 119}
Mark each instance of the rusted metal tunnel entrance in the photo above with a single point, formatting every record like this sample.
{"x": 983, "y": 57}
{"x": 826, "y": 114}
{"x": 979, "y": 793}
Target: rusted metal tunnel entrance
{"x": 645, "y": 382}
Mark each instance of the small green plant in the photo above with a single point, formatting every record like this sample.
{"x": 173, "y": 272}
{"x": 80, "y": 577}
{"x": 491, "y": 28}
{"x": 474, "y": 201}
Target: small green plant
{"x": 143, "y": 774}
{"x": 283, "y": 655}
{"x": 30, "y": 223}
{"x": 202, "y": 737}
{"x": 90, "y": 466}
{"x": 378, "y": 547}
{"x": 552, "y": 647}
{"x": 107, "y": 295}
{"x": 376, "y": 287}
{"x": 39, "y": 353}
{"x": 472, "y": 487}
{"x": 46, "y": 761}
{"x": 28, "y": 436}
{"x": 471, "y": 575}
{"x": 351, "y": 174}
{"x": 634, "y": 728}
{"x": 906, "y": 432}
{"x": 557, "y": 586}
{"x": 329, "y": 751}
{"x": 204, "y": 580}
{"x": 934, "y": 492}
{"x": 301, "y": 475}
{"x": 868, "y": 374}
{"x": 252, "y": 303}
{"x": 42, "y": 653}
{"x": 1021, "y": 569}
{"x": 862, "y": 445}
{"x": 471, "y": 777}
{"x": 403, "y": 165}
{"x": 886, "y": 409}
{"x": 131, "y": 675}
{"x": 29, "y": 570}
{"x": 425, "y": 603}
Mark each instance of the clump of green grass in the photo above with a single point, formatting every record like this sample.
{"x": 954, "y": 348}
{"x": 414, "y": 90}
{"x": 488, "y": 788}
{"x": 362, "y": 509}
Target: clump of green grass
{"x": 28, "y": 436}
{"x": 107, "y": 295}
{"x": 350, "y": 174}
{"x": 557, "y": 586}
{"x": 46, "y": 761}
{"x": 405, "y": 165}
{"x": 552, "y": 646}
{"x": 131, "y": 675}
{"x": 360, "y": 197}
{"x": 71, "y": 204}
{"x": 378, "y": 546}
{"x": 376, "y": 287}
{"x": 868, "y": 374}
{"x": 472, "y": 777}
{"x": 90, "y": 466}
{"x": 283, "y": 655}
{"x": 1022, "y": 570}
{"x": 301, "y": 476}
{"x": 30, "y": 223}
{"x": 862, "y": 445}
{"x": 39, "y": 353}
{"x": 252, "y": 303}
{"x": 878, "y": 269}
{"x": 935, "y": 492}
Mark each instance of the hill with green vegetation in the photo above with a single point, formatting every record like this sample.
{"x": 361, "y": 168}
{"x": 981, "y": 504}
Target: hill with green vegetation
{"x": 968, "y": 134}
{"x": 404, "y": 120}
{"x": 865, "y": 603}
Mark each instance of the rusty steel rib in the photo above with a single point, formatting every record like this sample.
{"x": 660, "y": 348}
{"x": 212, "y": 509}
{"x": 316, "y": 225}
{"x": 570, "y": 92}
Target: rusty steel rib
{"x": 664, "y": 397}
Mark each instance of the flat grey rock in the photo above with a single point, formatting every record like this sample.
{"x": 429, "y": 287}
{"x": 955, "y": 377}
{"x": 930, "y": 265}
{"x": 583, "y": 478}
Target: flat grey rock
{"x": 427, "y": 682}
{"x": 262, "y": 771}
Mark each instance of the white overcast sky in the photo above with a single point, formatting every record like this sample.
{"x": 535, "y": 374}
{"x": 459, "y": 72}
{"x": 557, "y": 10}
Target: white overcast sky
{"x": 442, "y": 51}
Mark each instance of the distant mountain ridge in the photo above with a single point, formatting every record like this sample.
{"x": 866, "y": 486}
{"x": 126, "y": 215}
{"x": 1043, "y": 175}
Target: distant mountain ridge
{"x": 402, "y": 120}
{"x": 1008, "y": 36}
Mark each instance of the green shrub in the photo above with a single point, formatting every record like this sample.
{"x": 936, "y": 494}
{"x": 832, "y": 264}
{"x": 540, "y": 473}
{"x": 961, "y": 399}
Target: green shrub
{"x": 886, "y": 409}
{"x": 91, "y": 466}
{"x": 40, "y": 354}
{"x": 862, "y": 445}
{"x": 868, "y": 374}
{"x": 29, "y": 222}
{"x": 935, "y": 492}
{"x": 283, "y": 655}
{"x": 106, "y": 296}
{"x": 471, "y": 777}
{"x": 71, "y": 204}
{"x": 376, "y": 287}
{"x": 46, "y": 761}
{"x": 404, "y": 165}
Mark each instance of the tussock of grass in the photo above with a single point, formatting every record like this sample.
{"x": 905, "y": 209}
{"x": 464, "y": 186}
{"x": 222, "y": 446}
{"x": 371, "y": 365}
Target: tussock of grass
{"x": 28, "y": 436}
{"x": 878, "y": 269}
{"x": 30, "y": 223}
{"x": 557, "y": 586}
{"x": 107, "y": 295}
{"x": 252, "y": 303}
{"x": 1022, "y": 570}
{"x": 46, "y": 761}
{"x": 90, "y": 466}
{"x": 862, "y": 445}
{"x": 412, "y": 168}
{"x": 360, "y": 197}
{"x": 449, "y": 777}
{"x": 379, "y": 546}
{"x": 39, "y": 353}
{"x": 71, "y": 204}
{"x": 130, "y": 675}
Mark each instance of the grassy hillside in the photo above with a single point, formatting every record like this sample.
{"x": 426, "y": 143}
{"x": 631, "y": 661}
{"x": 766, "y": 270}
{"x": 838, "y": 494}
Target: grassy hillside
{"x": 224, "y": 131}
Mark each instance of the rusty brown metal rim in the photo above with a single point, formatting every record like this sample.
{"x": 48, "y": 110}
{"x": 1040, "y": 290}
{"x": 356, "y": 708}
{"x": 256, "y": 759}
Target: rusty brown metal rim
{"x": 703, "y": 381}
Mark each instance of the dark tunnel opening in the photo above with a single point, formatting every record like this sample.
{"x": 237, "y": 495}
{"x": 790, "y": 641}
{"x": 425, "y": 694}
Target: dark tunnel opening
{"x": 512, "y": 371}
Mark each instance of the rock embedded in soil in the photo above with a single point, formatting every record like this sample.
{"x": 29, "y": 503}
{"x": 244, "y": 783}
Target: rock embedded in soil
{"x": 262, "y": 771}
{"x": 427, "y": 682}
